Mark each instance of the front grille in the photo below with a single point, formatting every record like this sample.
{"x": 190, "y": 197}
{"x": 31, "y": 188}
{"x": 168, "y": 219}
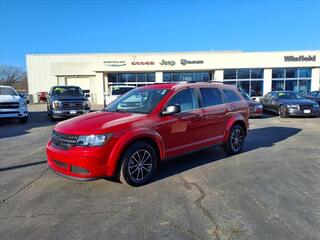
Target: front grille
{"x": 79, "y": 170}
{"x": 8, "y": 105}
{"x": 60, "y": 164}
{"x": 72, "y": 106}
{"x": 63, "y": 141}
{"x": 11, "y": 112}
{"x": 305, "y": 107}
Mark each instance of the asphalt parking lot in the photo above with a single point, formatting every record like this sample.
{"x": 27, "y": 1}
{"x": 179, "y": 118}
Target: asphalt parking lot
{"x": 270, "y": 191}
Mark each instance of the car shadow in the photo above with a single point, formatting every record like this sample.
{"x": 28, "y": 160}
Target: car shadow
{"x": 257, "y": 138}
{"x": 12, "y": 127}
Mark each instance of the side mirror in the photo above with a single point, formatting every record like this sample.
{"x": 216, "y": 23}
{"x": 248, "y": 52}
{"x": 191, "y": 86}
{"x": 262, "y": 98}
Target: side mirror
{"x": 172, "y": 109}
{"x": 254, "y": 98}
{"x": 87, "y": 95}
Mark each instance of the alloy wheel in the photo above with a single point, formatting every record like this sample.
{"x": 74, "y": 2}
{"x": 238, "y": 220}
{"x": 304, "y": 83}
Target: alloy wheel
{"x": 236, "y": 140}
{"x": 140, "y": 165}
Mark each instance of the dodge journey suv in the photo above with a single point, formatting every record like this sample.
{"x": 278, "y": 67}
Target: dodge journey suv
{"x": 146, "y": 126}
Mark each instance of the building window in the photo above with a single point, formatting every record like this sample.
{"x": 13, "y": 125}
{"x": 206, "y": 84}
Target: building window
{"x": 291, "y": 79}
{"x": 136, "y": 78}
{"x": 245, "y": 79}
{"x": 186, "y": 76}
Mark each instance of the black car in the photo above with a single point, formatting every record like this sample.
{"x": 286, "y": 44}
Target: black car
{"x": 315, "y": 96}
{"x": 288, "y": 103}
{"x": 67, "y": 101}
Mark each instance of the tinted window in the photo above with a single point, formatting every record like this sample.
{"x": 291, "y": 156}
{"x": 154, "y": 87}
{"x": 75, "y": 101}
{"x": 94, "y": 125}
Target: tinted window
{"x": 185, "y": 99}
{"x": 231, "y": 96}
{"x": 244, "y": 73}
{"x": 278, "y": 73}
{"x": 291, "y": 73}
{"x": 230, "y": 74}
{"x": 210, "y": 97}
{"x": 7, "y": 91}
{"x": 67, "y": 91}
{"x": 305, "y": 72}
{"x": 257, "y": 73}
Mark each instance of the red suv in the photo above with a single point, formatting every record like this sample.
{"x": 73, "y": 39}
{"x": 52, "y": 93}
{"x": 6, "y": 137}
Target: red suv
{"x": 146, "y": 126}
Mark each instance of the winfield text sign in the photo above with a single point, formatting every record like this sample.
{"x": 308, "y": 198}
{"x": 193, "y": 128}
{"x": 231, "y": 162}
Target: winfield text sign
{"x": 300, "y": 58}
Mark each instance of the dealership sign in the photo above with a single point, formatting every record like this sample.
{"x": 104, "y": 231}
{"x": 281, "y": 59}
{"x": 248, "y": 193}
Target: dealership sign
{"x": 114, "y": 63}
{"x": 170, "y": 63}
{"x": 143, "y": 63}
{"x": 185, "y": 61}
{"x": 300, "y": 58}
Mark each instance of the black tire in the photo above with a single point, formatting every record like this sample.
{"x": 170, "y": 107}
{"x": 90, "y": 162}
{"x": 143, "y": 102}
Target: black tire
{"x": 23, "y": 120}
{"x": 52, "y": 118}
{"x": 138, "y": 164}
{"x": 282, "y": 112}
{"x": 234, "y": 144}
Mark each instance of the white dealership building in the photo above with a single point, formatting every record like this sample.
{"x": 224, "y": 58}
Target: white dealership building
{"x": 254, "y": 72}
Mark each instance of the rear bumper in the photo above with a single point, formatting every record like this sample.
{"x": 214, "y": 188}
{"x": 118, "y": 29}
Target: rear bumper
{"x": 256, "y": 113}
{"x": 78, "y": 163}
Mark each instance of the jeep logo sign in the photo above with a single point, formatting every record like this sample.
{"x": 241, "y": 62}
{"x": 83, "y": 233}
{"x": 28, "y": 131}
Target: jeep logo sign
{"x": 300, "y": 58}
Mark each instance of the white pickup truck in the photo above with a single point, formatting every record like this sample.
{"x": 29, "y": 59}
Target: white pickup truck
{"x": 115, "y": 92}
{"x": 12, "y": 105}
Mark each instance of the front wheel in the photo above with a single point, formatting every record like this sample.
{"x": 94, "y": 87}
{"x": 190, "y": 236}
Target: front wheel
{"x": 282, "y": 112}
{"x": 138, "y": 164}
{"x": 235, "y": 140}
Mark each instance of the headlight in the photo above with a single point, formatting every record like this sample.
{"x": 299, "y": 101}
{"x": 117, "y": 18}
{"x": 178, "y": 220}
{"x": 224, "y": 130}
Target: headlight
{"x": 315, "y": 105}
{"x": 93, "y": 140}
{"x": 23, "y": 103}
{"x": 87, "y": 104}
{"x": 296, "y": 106}
{"x": 259, "y": 106}
{"x": 56, "y": 104}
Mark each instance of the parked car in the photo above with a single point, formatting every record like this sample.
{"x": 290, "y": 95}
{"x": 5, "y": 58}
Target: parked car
{"x": 315, "y": 96}
{"x": 66, "y": 101}
{"x": 24, "y": 95}
{"x": 288, "y": 103}
{"x": 255, "y": 108}
{"x": 42, "y": 97}
{"x": 146, "y": 126}
{"x": 12, "y": 105}
{"x": 115, "y": 92}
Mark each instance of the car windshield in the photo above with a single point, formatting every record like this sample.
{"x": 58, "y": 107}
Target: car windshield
{"x": 7, "y": 91}
{"x": 120, "y": 90}
{"x": 288, "y": 95}
{"x": 246, "y": 96}
{"x": 140, "y": 100}
{"x": 67, "y": 91}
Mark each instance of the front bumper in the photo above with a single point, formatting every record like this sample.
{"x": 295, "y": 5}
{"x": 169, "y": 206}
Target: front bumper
{"x": 303, "y": 113}
{"x": 14, "y": 113}
{"x": 69, "y": 113}
{"x": 77, "y": 162}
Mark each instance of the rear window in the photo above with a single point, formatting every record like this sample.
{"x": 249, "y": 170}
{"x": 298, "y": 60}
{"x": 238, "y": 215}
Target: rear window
{"x": 231, "y": 96}
{"x": 211, "y": 97}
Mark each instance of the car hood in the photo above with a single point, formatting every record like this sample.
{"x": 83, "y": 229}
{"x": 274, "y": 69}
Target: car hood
{"x": 9, "y": 98}
{"x": 68, "y": 98}
{"x": 100, "y": 122}
{"x": 297, "y": 101}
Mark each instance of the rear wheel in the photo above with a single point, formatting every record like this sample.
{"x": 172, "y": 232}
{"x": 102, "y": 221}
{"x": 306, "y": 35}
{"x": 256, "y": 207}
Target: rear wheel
{"x": 235, "y": 140}
{"x": 138, "y": 164}
{"x": 282, "y": 112}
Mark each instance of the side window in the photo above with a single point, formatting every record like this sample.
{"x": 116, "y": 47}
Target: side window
{"x": 185, "y": 99}
{"x": 231, "y": 96}
{"x": 211, "y": 97}
{"x": 274, "y": 95}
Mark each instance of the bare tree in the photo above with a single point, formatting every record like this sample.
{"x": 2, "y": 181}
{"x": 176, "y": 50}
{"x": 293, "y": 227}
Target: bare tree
{"x": 9, "y": 75}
